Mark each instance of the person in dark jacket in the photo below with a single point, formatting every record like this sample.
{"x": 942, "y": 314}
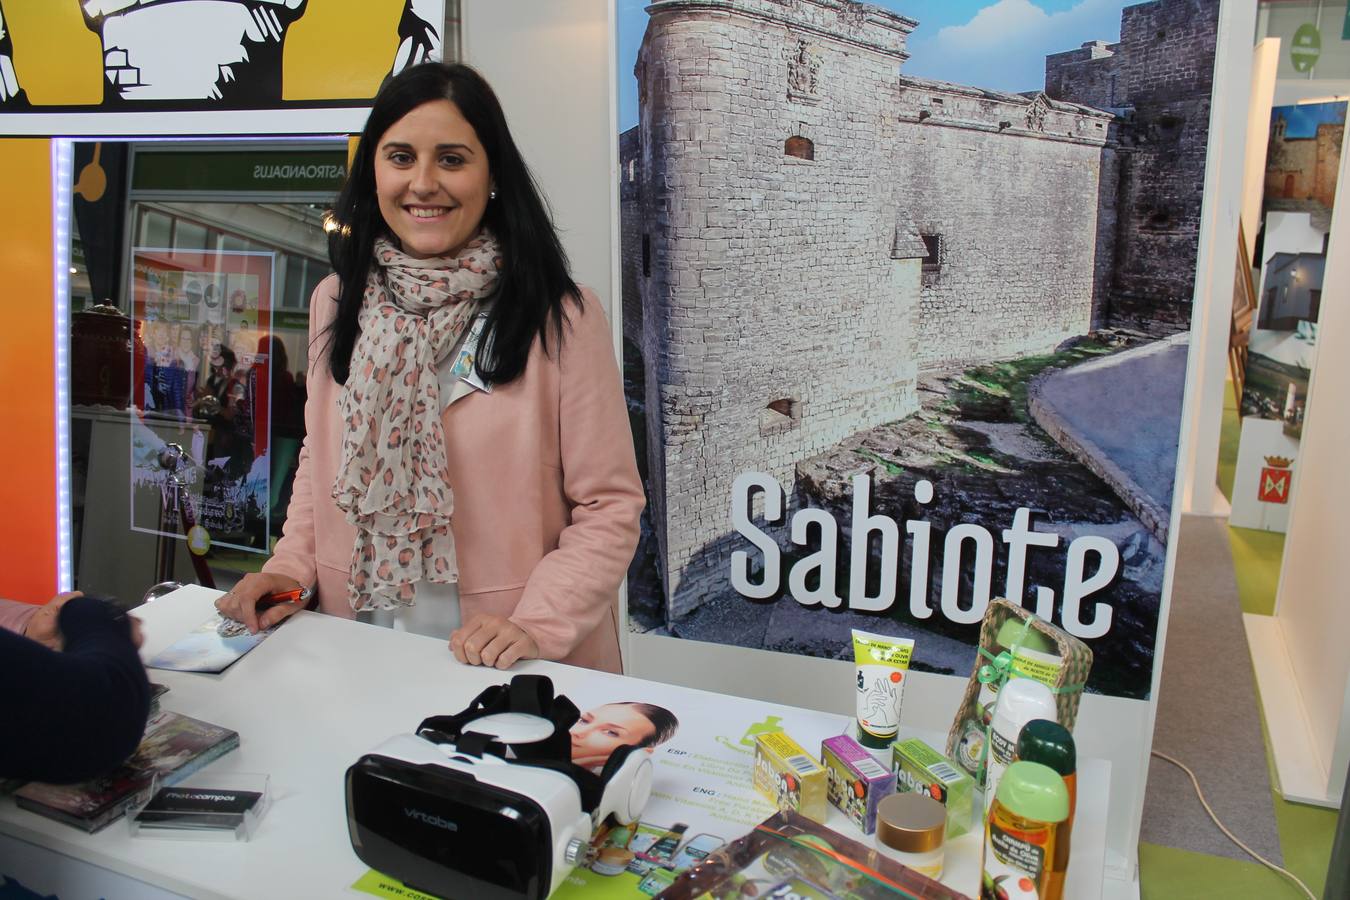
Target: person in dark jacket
{"x": 82, "y": 708}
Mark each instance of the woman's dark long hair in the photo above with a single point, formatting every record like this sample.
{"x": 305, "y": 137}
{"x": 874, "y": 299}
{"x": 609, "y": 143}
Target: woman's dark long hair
{"x": 534, "y": 283}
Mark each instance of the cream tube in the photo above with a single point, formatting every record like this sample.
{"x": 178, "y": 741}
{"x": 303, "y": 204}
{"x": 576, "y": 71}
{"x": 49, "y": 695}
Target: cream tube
{"x": 882, "y": 667}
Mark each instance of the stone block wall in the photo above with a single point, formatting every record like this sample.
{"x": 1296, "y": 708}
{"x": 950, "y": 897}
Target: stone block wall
{"x": 1166, "y": 50}
{"x": 1304, "y": 168}
{"x": 969, "y": 163}
{"x": 631, "y": 229}
{"x": 1162, "y": 69}
{"x": 1330, "y": 138}
{"x": 1090, "y": 74}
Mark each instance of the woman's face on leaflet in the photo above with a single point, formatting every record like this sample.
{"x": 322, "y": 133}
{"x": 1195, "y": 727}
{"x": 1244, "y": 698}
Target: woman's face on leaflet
{"x": 600, "y": 730}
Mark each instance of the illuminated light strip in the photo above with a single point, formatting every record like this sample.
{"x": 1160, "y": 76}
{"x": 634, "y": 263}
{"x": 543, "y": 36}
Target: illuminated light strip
{"x": 63, "y": 166}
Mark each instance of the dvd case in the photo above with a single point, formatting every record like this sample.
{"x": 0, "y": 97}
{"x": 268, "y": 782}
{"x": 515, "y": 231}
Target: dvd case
{"x": 174, "y": 746}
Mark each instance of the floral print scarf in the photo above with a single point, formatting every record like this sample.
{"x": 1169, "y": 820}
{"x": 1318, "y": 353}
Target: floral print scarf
{"x": 391, "y": 481}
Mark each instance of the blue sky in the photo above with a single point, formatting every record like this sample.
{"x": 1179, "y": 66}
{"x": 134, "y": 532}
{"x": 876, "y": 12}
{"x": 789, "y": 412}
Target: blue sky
{"x": 998, "y": 45}
{"x": 1303, "y": 120}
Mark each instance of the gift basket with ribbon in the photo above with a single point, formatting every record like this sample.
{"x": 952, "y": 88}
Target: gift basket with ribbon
{"x": 1014, "y": 643}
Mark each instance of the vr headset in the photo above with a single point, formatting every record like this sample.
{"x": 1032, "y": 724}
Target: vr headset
{"x": 487, "y": 803}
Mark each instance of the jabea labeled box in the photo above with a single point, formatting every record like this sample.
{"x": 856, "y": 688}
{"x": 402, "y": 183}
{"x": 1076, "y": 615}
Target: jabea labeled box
{"x": 921, "y": 769}
{"x": 856, "y": 781}
{"x": 788, "y": 776}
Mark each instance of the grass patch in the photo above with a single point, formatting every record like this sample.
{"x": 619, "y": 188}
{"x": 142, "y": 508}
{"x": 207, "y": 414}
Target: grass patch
{"x": 889, "y": 465}
{"x": 998, "y": 391}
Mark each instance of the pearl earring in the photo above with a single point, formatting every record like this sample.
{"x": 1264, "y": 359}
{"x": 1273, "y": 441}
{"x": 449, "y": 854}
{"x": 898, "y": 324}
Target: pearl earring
{"x": 492, "y": 194}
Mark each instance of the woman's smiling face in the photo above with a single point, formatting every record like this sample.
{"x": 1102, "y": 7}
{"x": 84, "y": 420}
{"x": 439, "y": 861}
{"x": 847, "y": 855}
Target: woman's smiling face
{"x": 432, "y": 180}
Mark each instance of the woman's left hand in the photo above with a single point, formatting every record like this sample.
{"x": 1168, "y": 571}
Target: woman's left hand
{"x": 492, "y": 641}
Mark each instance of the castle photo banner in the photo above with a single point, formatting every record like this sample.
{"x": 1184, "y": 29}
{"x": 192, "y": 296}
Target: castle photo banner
{"x": 907, "y": 294}
{"x": 95, "y": 67}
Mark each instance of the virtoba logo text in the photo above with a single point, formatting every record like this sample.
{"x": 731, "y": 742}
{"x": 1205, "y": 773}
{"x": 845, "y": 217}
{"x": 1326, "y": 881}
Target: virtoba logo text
{"x": 427, "y": 818}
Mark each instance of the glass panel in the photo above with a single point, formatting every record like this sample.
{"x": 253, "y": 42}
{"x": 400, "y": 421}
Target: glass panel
{"x": 189, "y": 236}
{"x": 295, "y": 283}
{"x": 314, "y": 273}
{"x": 230, "y": 243}
{"x": 1314, "y": 40}
{"x": 156, "y": 229}
{"x": 187, "y": 407}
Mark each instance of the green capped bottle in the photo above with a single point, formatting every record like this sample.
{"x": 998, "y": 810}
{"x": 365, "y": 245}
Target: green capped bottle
{"x": 1051, "y": 744}
{"x": 1022, "y": 833}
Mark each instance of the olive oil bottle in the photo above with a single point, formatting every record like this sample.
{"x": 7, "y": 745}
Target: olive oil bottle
{"x": 1022, "y": 834}
{"x": 1051, "y": 744}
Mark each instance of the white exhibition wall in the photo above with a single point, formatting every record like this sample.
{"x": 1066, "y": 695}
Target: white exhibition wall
{"x": 1302, "y": 666}
{"x": 563, "y": 120}
{"x": 1311, "y": 603}
{"x": 1265, "y": 61}
{"x": 1225, "y": 174}
{"x": 550, "y": 66}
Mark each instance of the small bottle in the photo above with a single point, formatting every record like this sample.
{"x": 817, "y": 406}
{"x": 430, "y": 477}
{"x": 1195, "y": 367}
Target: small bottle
{"x": 1050, "y": 744}
{"x": 1020, "y": 701}
{"x": 1022, "y": 833}
{"x": 910, "y": 830}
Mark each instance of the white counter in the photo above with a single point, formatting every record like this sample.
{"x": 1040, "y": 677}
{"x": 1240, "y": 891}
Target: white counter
{"x": 322, "y": 691}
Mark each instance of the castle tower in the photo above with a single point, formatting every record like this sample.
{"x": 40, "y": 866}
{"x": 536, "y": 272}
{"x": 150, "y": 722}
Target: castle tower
{"x": 779, "y": 291}
{"x": 1159, "y": 77}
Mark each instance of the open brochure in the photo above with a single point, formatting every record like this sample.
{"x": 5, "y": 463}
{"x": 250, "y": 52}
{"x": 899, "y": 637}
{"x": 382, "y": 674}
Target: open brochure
{"x": 206, "y": 649}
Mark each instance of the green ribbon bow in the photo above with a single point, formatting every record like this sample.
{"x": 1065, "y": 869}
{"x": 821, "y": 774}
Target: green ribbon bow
{"x": 997, "y": 671}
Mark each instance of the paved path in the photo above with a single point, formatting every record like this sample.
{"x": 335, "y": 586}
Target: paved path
{"x": 1121, "y": 417}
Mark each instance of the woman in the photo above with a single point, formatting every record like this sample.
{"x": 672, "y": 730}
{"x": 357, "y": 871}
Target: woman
{"x": 497, "y": 503}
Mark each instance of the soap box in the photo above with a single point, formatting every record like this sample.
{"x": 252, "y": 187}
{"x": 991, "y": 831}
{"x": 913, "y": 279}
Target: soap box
{"x": 857, "y": 782}
{"x": 921, "y": 769}
{"x": 787, "y": 775}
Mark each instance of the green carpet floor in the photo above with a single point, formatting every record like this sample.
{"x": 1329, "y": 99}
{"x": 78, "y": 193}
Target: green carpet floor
{"x": 1306, "y": 832}
{"x": 1256, "y": 562}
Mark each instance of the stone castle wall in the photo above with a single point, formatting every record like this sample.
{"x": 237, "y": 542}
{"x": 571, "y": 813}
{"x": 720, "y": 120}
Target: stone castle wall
{"x": 1160, "y": 76}
{"x": 1091, "y": 74}
{"x": 805, "y": 228}
{"x": 631, "y": 229}
{"x": 968, "y": 163}
{"x": 787, "y": 177}
{"x": 1330, "y": 139}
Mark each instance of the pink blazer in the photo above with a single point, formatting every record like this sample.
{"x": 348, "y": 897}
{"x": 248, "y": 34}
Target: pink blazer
{"x": 14, "y": 615}
{"x": 546, "y": 488}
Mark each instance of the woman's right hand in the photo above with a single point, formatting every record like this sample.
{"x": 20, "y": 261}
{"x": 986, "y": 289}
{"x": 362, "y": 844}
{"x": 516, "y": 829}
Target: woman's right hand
{"x": 241, "y": 602}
